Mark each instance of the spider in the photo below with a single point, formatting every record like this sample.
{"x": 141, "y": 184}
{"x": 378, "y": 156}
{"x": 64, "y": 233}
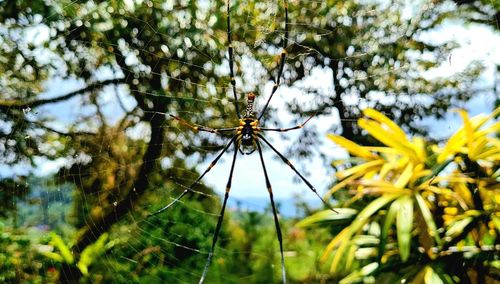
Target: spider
{"x": 247, "y": 137}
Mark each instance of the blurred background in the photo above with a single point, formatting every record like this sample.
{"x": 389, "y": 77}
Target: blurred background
{"x": 88, "y": 149}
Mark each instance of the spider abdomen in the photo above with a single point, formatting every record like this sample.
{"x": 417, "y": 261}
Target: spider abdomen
{"x": 247, "y": 136}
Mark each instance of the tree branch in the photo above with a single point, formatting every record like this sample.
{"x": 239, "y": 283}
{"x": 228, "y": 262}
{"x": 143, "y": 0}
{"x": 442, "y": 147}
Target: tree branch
{"x": 19, "y": 104}
{"x": 58, "y": 132}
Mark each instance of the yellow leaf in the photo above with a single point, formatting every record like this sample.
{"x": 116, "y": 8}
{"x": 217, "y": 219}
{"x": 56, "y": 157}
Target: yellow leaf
{"x": 355, "y": 198}
{"x": 342, "y": 184}
{"x": 465, "y": 194}
{"x": 327, "y": 216}
{"x": 362, "y": 168}
{"x": 420, "y": 171}
{"x": 404, "y": 178}
{"x": 419, "y": 147}
{"x": 386, "y": 150}
{"x": 477, "y": 146}
{"x": 469, "y": 134}
{"x": 451, "y": 210}
{"x": 344, "y": 234}
{"x": 380, "y": 186}
{"x": 383, "y": 190}
{"x": 428, "y": 218}
{"x": 377, "y": 116}
{"x": 491, "y": 154}
{"x": 371, "y": 174}
{"x": 431, "y": 277}
{"x": 53, "y": 256}
{"x": 334, "y": 268}
{"x": 495, "y": 157}
{"x": 352, "y": 147}
{"x": 386, "y": 168}
{"x": 494, "y": 128}
{"x": 377, "y": 183}
{"x": 455, "y": 179}
{"x": 457, "y": 140}
{"x": 387, "y": 137}
{"x": 448, "y": 194}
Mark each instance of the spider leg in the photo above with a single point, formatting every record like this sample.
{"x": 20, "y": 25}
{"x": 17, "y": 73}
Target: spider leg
{"x": 253, "y": 150}
{"x": 221, "y": 217}
{"x": 275, "y": 214}
{"x": 311, "y": 187}
{"x": 231, "y": 60}
{"x": 196, "y": 127}
{"x": 282, "y": 62}
{"x": 290, "y": 128}
{"x": 189, "y": 189}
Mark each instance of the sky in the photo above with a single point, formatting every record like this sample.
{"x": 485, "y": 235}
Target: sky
{"x": 477, "y": 43}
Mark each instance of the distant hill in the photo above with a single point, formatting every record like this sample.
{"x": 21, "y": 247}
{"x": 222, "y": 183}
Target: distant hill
{"x": 286, "y": 206}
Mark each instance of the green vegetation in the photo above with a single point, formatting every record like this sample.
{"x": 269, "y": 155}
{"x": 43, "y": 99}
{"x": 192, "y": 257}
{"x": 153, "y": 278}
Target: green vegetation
{"x": 86, "y": 88}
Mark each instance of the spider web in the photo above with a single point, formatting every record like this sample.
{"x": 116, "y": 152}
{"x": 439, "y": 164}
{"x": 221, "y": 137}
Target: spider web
{"x": 135, "y": 242}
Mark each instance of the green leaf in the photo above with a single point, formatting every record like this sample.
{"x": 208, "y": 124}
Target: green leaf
{"x": 389, "y": 219}
{"x": 339, "y": 254}
{"x": 435, "y": 171}
{"x": 431, "y": 277}
{"x": 361, "y": 219}
{"x": 457, "y": 227}
{"x": 365, "y": 240}
{"x": 426, "y": 213}
{"x": 365, "y": 253}
{"x": 91, "y": 252}
{"x": 359, "y": 274}
{"x": 441, "y": 272}
{"x": 328, "y": 216}
{"x": 351, "y": 253}
{"x": 58, "y": 242}
{"x": 53, "y": 256}
{"x": 496, "y": 222}
{"x": 404, "y": 225}
{"x": 364, "y": 216}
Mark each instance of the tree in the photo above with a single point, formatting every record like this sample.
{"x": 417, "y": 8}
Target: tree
{"x": 11, "y": 190}
{"x": 140, "y": 49}
{"x": 376, "y": 55}
{"x": 484, "y": 12}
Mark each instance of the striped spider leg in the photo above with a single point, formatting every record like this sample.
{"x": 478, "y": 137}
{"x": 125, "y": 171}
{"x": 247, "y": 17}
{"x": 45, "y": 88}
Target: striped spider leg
{"x": 246, "y": 139}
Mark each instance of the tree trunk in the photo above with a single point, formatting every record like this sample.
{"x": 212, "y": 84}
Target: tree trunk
{"x": 345, "y": 119}
{"x": 95, "y": 228}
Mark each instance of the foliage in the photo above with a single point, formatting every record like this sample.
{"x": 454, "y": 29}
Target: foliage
{"x": 483, "y": 11}
{"x": 11, "y": 190}
{"x": 132, "y": 62}
{"x": 161, "y": 249}
{"x": 373, "y": 55}
{"x": 426, "y": 208}
{"x": 165, "y": 57}
{"x": 90, "y": 45}
{"x": 65, "y": 256}
{"x": 20, "y": 261}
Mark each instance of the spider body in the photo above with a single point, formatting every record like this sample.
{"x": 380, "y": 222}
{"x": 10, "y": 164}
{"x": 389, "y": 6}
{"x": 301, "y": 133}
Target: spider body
{"x": 247, "y": 138}
{"x": 246, "y": 133}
